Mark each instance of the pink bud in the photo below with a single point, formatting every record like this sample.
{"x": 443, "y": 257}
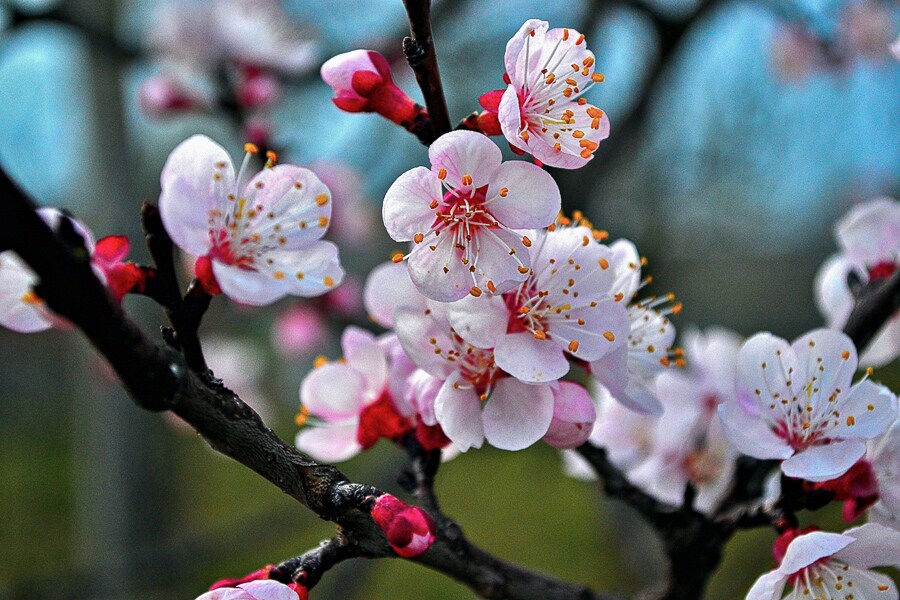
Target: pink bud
{"x": 162, "y": 95}
{"x": 409, "y": 529}
{"x": 573, "y": 416}
{"x": 362, "y": 82}
{"x": 258, "y": 89}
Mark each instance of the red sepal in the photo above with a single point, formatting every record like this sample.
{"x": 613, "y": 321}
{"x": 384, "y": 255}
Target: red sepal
{"x": 203, "y": 271}
{"x": 857, "y": 488}
{"x": 431, "y": 437}
{"x": 381, "y": 420}
{"x": 491, "y": 100}
{"x": 300, "y": 589}
{"x": 256, "y": 575}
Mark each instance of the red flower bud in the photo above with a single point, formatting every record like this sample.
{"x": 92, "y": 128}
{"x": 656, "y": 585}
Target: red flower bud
{"x": 409, "y": 529}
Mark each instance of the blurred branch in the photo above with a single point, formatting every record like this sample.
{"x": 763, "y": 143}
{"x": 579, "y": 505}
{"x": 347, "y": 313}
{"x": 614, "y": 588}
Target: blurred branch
{"x": 419, "y": 50}
{"x": 159, "y": 378}
{"x": 876, "y": 303}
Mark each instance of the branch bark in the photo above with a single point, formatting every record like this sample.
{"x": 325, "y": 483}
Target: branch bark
{"x": 421, "y": 55}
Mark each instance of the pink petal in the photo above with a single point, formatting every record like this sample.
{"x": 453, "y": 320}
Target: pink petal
{"x": 365, "y": 356}
{"x": 415, "y": 329}
{"x": 593, "y": 343}
{"x": 479, "y": 321}
{"x": 465, "y": 153}
{"x": 269, "y": 590}
{"x": 437, "y": 271}
{"x": 875, "y": 546}
{"x": 387, "y": 288}
{"x": 873, "y": 409}
{"x": 533, "y": 200}
{"x": 510, "y": 116}
{"x": 517, "y": 414}
{"x": 573, "y": 416}
{"x": 333, "y": 392}
{"x": 495, "y": 261}
{"x": 330, "y": 443}
{"x": 514, "y": 58}
{"x": 338, "y": 71}
{"x": 750, "y": 435}
{"x": 808, "y": 548}
{"x": 248, "y": 287}
{"x": 458, "y": 410}
{"x": 870, "y": 232}
{"x": 407, "y": 203}
{"x": 823, "y": 463}
{"x": 191, "y": 189}
{"x": 833, "y": 295}
{"x": 530, "y": 359}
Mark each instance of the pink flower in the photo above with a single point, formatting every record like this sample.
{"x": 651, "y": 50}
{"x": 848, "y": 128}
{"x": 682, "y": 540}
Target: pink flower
{"x": 409, "y": 529}
{"x": 573, "y": 416}
{"x": 462, "y": 214}
{"x": 362, "y": 82}
{"x": 542, "y": 111}
{"x": 353, "y": 403}
{"x": 630, "y": 370}
{"x": 796, "y": 403}
{"x": 819, "y": 565}
{"x": 565, "y": 307}
{"x": 261, "y": 237}
{"x": 255, "y": 590}
{"x": 869, "y": 240}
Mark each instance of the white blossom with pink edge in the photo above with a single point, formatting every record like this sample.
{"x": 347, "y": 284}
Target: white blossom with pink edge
{"x": 796, "y": 403}
{"x": 819, "y": 564}
{"x": 463, "y": 214}
{"x": 253, "y": 590}
{"x": 869, "y": 240}
{"x": 21, "y": 309}
{"x": 566, "y": 307}
{"x": 262, "y": 235}
{"x": 542, "y": 111}
{"x": 335, "y": 395}
{"x": 883, "y": 453}
{"x": 629, "y": 372}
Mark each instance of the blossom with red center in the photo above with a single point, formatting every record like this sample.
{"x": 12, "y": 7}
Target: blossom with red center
{"x": 630, "y": 370}
{"x": 869, "y": 241}
{"x": 409, "y": 529}
{"x": 463, "y": 214}
{"x": 543, "y": 111}
{"x": 261, "y": 236}
{"x": 819, "y": 564}
{"x": 347, "y": 406}
{"x": 797, "y": 403}
{"x": 362, "y": 82}
{"x": 566, "y": 307}
{"x": 267, "y": 589}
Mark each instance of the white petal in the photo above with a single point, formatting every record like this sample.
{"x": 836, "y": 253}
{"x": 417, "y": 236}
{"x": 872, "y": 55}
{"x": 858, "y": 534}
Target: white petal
{"x": 750, "y": 435}
{"x": 307, "y": 272}
{"x": 824, "y": 463}
{"x": 870, "y": 232}
{"x": 530, "y": 359}
{"x": 833, "y": 295}
{"x": 765, "y": 364}
{"x": 869, "y": 584}
{"x": 458, "y": 410}
{"x": 331, "y": 443}
{"x": 627, "y": 265}
{"x": 875, "y": 546}
{"x": 768, "y": 587}
{"x": 806, "y": 549}
{"x": 465, "y": 153}
{"x": 496, "y": 260}
{"x": 333, "y": 392}
{"x": 532, "y": 201}
{"x": 16, "y": 281}
{"x": 248, "y": 287}
{"x": 820, "y": 355}
{"x": 197, "y": 177}
{"x": 365, "y": 355}
{"x": 517, "y": 415}
{"x": 867, "y": 412}
{"x": 387, "y": 288}
{"x": 407, "y": 204}
{"x": 886, "y": 345}
{"x": 479, "y": 321}
{"x": 269, "y": 590}
{"x": 415, "y": 329}
{"x": 437, "y": 271}
{"x": 514, "y": 57}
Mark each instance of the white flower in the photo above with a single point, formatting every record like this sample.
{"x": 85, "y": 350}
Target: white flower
{"x": 869, "y": 240}
{"x": 831, "y": 565}
{"x": 883, "y": 453}
{"x": 796, "y": 403}
{"x": 462, "y": 214}
{"x": 542, "y": 111}
{"x": 262, "y": 235}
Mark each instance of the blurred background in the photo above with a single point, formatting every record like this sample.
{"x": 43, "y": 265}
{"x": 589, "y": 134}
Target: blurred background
{"x": 740, "y": 132}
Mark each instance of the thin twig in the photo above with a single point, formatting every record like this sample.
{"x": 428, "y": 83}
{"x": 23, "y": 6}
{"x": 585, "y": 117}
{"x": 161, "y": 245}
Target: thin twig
{"x": 421, "y": 55}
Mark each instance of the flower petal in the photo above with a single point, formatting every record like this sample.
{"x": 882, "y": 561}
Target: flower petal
{"x": 248, "y": 287}
{"x": 197, "y": 177}
{"x": 16, "y": 281}
{"x": 515, "y": 56}
{"x": 750, "y": 435}
{"x": 833, "y": 295}
{"x": 437, "y": 271}
{"x": 532, "y": 200}
{"x": 458, "y": 410}
{"x": 875, "y": 546}
{"x": 870, "y": 232}
{"x": 333, "y": 392}
{"x": 365, "y": 355}
{"x": 479, "y": 321}
{"x": 823, "y": 463}
{"x": 407, "y": 203}
{"x": 516, "y": 414}
{"x": 768, "y": 587}
{"x": 765, "y": 364}
{"x": 465, "y": 153}
{"x": 867, "y": 412}
{"x": 309, "y": 272}
{"x": 331, "y": 443}
{"x": 806, "y": 549}
{"x": 530, "y": 359}
{"x": 269, "y": 590}
{"x": 387, "y": 288}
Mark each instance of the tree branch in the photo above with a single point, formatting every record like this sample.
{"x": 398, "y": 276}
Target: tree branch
{"x": 420, "y": 53}
{"x": 876, "y": 303}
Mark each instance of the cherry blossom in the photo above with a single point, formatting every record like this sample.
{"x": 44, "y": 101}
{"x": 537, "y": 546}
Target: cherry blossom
{"x": 23, "y": 311}
{"x": 256, "y": 590}
{"x": 796, "y": 403}
{"x": 462, "y": 215}
{"x": 573, "y": 416}
{"x": 819, "y": 564}
{"x": 362, "y": 82}
{"x": 409, "y": 529}
{"x": 869, "y": 240}
{"x": 630, "y": 370}
{"x": 883, "y": 454}
{"x": 565, "y": 307}
{"x": 543, "y": 111}
{"x": 258, "y": 239}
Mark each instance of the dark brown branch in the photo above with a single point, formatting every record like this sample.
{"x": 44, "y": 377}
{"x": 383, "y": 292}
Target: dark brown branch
{"x": 420, "y": 53}
{"x": 876, "y": 303}
{"x": 309, "y": 567}
{"x": 159, "y": 378}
